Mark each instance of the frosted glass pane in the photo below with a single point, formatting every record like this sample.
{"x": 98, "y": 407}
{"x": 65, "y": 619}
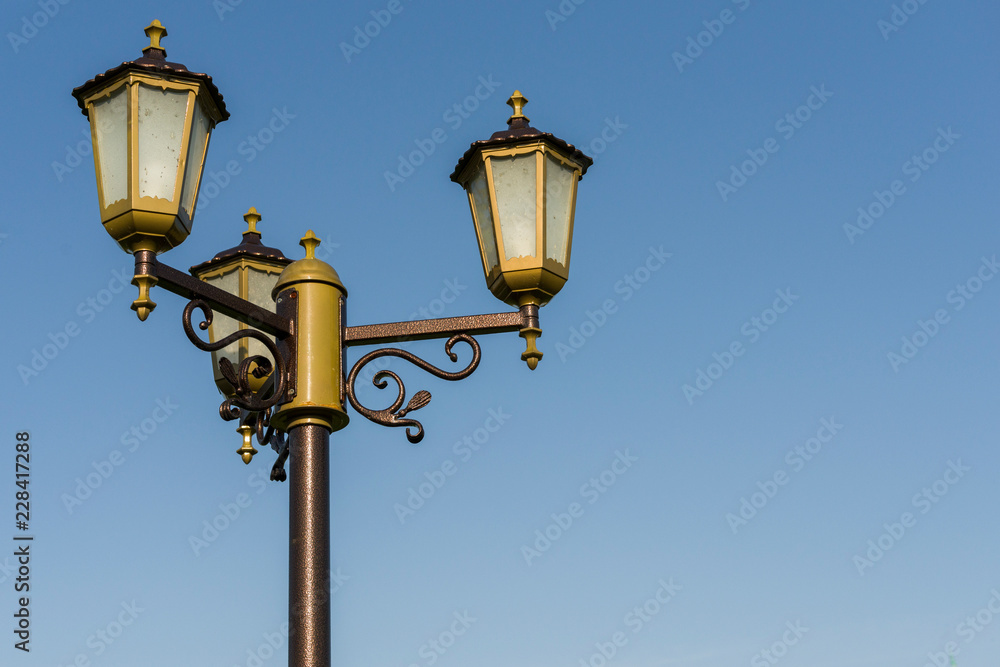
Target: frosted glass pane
{"x": 480, "y": 191}
{"x": 558, "y": 205}
{"x": 110, "y": 120}
{"x": 195, "y": 159}
{"x": 261, "y": 283}
{"x": 514, "y": 183}
{"x": 223, "y": 325}
{"x": 161, "y": 130}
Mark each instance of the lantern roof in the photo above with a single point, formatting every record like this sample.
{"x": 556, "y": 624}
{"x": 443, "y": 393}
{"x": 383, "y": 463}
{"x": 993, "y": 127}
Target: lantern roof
{"x": 518, "y": 132}
{"x": 251, "y": 246}
{"x": 153, "y": 61}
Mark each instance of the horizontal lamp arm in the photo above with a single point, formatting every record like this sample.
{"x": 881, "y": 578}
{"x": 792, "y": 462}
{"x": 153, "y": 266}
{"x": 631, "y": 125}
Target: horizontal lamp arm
{"x": 189, "y": 287}
{"x": 446, "y": 327}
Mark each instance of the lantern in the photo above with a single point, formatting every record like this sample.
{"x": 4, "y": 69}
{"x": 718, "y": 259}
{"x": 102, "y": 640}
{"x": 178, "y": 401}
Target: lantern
{"x": 150, "y": 121}
{"x": 522, "y": 192}
{"x": 249, "y": 271}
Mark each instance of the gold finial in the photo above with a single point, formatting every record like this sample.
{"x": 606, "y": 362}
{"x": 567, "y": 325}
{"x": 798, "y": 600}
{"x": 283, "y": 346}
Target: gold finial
{"x": 247, "y": 451}
{"x": 143, "y": 306}
{"x": 309, "y": 242}
{"x": 531, "y": 355}
{"x": 155, "y": 31}
{"x": 251, "y": 217}
{"x": 517, "y": 102}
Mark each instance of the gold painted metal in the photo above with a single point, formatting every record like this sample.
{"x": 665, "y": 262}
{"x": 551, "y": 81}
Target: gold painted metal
{"x": 531, "y": 354}
{"x": 517, "y": 102}
{"x": 319, "y": 295}
{"x": 144, "y": 305}
{"x": 243, "y": 264}
{"x": 247, "y": 450}
{"x": 155, "y": 31}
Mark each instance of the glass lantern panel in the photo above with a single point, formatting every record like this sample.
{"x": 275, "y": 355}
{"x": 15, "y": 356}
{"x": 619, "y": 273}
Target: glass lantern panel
{"x": 162, "y": 114}
{"x": 223, "y": 325}
{"x": 195, "y": 159}
{"x": 558, "y": 209}
{"x": 109, "y": 118}
{"x": 480, "y": 191}
{"x": 514, "y": 183}
{"x": 260, "y": 284}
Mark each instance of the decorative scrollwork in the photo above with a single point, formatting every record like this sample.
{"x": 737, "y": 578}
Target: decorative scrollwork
{"x": 252, "y": 409}
{"x": 393, "y": 415}
{"x": 257, "y": 365}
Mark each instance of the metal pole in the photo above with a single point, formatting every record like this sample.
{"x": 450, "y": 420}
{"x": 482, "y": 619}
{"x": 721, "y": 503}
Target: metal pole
{"x": 309, "y": 547}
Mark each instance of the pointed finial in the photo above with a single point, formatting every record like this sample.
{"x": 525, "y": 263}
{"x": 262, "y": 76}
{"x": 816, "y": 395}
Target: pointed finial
{"x": 251, "y": 217}
{"x": 517, "y": 102}
{"x": 309, "y": 242}
{"x": 531, "y": 354}
{"x": 155, "y": 31}
{"x": 247, "y": 450}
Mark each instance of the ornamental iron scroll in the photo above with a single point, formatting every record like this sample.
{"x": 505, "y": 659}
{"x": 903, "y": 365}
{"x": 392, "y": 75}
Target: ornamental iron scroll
{"x": 394, "y": 415}
{"x": 252, "y": 408}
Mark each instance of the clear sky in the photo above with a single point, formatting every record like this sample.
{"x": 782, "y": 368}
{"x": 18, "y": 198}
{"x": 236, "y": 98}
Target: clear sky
{"x": 765, "y": 427}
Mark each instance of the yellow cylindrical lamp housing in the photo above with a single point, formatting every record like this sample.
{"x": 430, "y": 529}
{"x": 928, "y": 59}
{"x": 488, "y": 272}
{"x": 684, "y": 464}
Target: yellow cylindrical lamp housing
{"x": 521, "y": 185}
{"x": 150, "y": 121}
{"x": 310, "y": 292}
{"x": 249, "y": 271}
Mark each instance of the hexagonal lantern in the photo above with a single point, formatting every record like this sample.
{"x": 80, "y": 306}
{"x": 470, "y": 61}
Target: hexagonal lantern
{"x": 522, "y": 191}
{"x": 249, "y": 271}
{"x": 150, "y": 121}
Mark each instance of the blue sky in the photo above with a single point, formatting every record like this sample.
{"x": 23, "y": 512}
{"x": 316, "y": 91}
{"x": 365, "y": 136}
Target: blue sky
{"x": 764, "y": 430}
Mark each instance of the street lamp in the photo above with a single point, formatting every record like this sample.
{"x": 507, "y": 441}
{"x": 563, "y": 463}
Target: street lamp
{"x": 277, "y": 329}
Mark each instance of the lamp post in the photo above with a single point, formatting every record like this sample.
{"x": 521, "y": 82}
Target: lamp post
{"x": 277, "y": 329}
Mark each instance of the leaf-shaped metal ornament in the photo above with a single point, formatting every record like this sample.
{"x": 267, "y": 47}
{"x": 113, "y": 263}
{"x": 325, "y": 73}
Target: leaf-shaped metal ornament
{"x": 419, "y": 400}
{"x": 228, "y": 371}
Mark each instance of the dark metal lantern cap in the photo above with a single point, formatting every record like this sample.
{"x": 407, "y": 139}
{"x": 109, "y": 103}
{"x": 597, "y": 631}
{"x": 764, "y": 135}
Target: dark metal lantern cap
{"x": 154, "y": 59}
{"x": 251, "y": 246}
{"x": 520, "y": 132}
